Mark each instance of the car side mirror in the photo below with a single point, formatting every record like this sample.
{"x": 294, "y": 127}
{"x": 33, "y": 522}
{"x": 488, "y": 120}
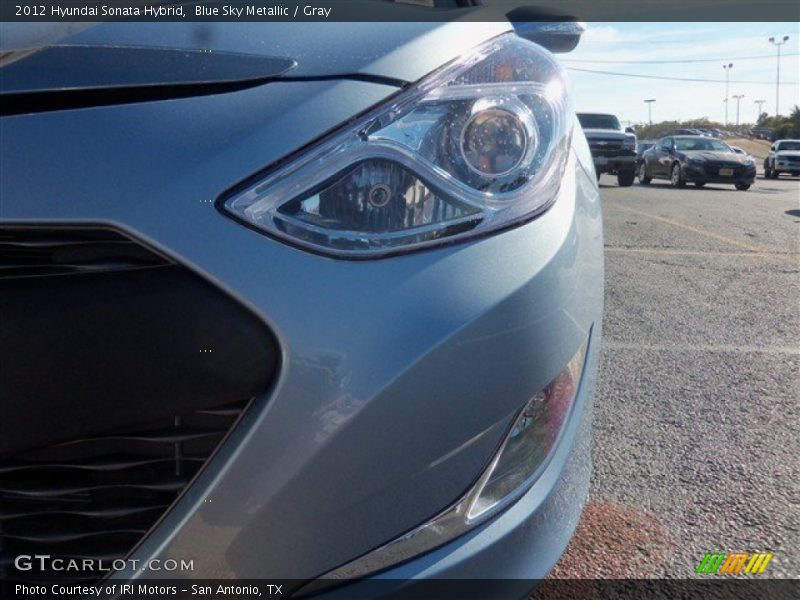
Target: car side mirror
{"x": 630, "y": 130}
{"x": 561, "y": 36}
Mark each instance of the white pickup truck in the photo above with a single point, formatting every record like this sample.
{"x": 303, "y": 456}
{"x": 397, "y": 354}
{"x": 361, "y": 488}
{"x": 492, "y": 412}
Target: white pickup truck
{"x": 784, "y": 157}
{"x": 613, "y": 150}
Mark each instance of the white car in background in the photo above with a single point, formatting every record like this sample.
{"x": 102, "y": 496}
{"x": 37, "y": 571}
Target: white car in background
{"x": 784, "y": 157}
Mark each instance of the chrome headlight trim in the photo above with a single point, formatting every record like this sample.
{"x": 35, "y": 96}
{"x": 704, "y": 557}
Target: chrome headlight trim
{"x": 318, "y": 202}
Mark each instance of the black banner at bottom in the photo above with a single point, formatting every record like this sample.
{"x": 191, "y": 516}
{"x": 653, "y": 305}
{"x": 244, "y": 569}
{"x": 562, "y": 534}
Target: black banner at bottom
{"x": 456, "y": 589}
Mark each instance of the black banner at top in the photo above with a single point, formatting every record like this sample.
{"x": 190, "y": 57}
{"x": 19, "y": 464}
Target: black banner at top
{"x": 399, "y": 10}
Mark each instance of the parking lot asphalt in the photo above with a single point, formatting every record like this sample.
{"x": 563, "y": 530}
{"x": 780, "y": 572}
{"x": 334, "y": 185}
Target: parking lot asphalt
{"x": 697, "y": 421}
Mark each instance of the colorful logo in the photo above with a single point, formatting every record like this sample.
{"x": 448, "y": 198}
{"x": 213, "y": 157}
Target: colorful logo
{"x": 734, "y": 563}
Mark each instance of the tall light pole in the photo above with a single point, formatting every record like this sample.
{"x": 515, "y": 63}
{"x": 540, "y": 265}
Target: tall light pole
{"x": 727, "y": 68}
{"x": 738, "y": 98}
{"x": 650, "y": 110}
{"x": 778, "y": 76}
{"x": 760, "y": 103}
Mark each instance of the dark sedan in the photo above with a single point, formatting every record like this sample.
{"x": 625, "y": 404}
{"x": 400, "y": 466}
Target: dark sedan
{"x": 643, "y": 146}
{"x": 696, "y": 159}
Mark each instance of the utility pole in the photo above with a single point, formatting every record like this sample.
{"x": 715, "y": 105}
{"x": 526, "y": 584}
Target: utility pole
{"x": 650, "y": 110}
{"x": 778, "y": 75}
{"x": 727, "y": 68}
{"x": 760, "y": 103}
{"x": 738, "y": 98}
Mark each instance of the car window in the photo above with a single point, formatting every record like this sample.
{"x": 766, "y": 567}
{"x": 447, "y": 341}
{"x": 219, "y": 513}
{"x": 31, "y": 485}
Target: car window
{"x": 701, "y": 143}
{"x": 666, "y": 143}
{"x": 590, "y": 121}
{"x": 781, "y": 146}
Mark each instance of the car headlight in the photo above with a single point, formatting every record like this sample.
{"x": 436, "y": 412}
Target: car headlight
{"x": 478, "y": 145}
{"x": 629, "y": 142}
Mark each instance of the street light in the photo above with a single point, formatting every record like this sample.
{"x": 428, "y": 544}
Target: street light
{"x": 778, "y": 76}
{"x": 760, "y": 103}
{"x": 737, "y": 97}
{"x": 650, "y": 110}
{"x": 727, "y": 68}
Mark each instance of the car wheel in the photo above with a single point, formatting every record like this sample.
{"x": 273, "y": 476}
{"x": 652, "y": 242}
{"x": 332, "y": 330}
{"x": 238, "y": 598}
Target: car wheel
{"x": 775, "y": 174}
{"x": 676, "y": 176}
{"x": 742, "y": 187}
{"x": 643, "y": 178}
{"x": 625, "y": 178}
{"x": 699, "y": 184}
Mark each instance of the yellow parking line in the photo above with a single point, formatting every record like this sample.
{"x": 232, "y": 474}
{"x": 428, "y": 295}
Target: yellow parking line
{"x": 694, "y": 347}
{"x": 710, "y": 234}
{"x": 664, "y": 251}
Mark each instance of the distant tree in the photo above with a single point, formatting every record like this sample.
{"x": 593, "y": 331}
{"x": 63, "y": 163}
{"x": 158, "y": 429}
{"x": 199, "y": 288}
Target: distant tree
{"x": 794, "y": 117}
{"x": 785, "y": 127}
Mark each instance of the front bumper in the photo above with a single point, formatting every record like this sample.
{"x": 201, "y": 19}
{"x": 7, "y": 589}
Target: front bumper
{"x": 787, "y": 165}
{"x": 605, "y": 164}
{"x": 483, "y": 326}
{"x": 513, "y": 552}
{"x": 398, "y": 377}
{"x": 692, "y": 173}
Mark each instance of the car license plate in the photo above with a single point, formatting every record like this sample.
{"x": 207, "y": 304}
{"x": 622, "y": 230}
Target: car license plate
{"x": 725, "y": 172}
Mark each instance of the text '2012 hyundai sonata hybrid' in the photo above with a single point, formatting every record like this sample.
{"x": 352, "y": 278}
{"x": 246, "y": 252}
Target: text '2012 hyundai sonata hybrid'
{"x": 314, "y": 301}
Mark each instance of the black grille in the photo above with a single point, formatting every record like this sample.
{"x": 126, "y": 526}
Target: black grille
{"x": 96, "y": 497}
{"x": 122, "y": 372}
{"x": 605, "y": 144}
{"x": 723, "y": 164}
{"x": 791, "y": 159}
{"x": 30, "y": 251}
{"x": 712, "y": 168}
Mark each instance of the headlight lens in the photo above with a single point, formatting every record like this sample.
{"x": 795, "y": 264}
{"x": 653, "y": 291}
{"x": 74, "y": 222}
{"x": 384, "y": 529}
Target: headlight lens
{"x": 629, "y": 142}
{"x": 497, "y": 137}
{"x": 475, "y": 146}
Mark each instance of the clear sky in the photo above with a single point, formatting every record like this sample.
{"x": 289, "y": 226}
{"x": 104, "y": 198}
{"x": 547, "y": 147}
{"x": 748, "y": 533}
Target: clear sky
{"x": 680, "y": 100}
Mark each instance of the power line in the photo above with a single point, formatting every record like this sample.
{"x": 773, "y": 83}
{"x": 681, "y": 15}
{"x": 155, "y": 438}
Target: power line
{"x": 642, "y": 41}
{"x": 638, "y": 41}
{"x": 641, "y": 76}
{"x": 666, "y": 62}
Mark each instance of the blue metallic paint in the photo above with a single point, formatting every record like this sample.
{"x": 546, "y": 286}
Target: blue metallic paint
{"x": 399, "y": 376}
